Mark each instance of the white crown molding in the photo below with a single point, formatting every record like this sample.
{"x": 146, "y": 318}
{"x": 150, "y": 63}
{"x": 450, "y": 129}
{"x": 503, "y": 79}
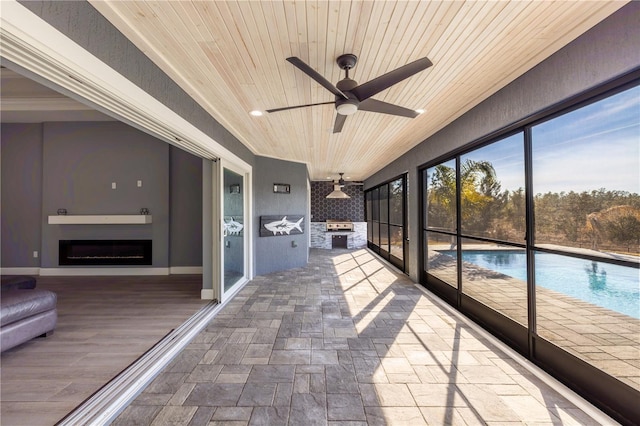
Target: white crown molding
{"x": 42, "y": 104}
{"x": 31, "y": 43}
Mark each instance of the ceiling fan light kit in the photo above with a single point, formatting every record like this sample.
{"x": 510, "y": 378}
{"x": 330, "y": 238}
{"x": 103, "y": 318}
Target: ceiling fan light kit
{"x": 351, "y": 97}
{"x": 346, "y": 108}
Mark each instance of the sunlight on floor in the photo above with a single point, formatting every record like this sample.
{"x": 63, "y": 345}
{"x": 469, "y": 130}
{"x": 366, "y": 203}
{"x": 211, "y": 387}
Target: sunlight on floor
{"x": 422, "y": 364}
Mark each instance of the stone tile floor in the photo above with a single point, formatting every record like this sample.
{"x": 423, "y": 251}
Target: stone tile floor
{"x": 344, "y": 341}
{"x": 606, "y": 339}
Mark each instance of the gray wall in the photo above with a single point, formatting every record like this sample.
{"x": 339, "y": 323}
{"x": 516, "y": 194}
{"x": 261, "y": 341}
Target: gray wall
{"x": 21, "y": 203}
{"x": 81, "y": 160}
{"x": 72, "y": 165}
{"x": 185, "y": 209}
{"x": 608, "y": 50}
{"x": 276, "y": 253}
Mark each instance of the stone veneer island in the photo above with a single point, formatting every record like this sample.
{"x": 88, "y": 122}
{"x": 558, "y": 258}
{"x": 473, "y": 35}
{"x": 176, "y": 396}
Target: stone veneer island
{"x": 320, "y": 238}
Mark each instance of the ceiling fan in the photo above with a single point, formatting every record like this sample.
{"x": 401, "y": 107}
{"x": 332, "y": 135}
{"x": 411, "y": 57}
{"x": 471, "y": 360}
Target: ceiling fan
{"x": 343, "y": 182}
{"x": 351, "y": 97}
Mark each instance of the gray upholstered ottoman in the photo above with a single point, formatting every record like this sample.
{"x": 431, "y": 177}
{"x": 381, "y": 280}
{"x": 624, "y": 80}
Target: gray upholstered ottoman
{"x": 25, "y": 314}
{"x": 14, "y": 282}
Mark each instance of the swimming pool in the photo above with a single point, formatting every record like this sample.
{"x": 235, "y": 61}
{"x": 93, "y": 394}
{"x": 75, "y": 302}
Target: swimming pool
{"x": 609, "y": 286}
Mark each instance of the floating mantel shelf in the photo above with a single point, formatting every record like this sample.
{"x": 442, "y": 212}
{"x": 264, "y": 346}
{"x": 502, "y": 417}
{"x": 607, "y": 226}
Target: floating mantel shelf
{"x": 100, "y": 219}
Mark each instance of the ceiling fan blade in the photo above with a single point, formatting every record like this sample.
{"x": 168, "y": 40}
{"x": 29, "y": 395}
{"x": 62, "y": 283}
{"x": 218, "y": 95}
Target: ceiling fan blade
{"x": 374, "y": 105}
{"x": 340, "y": 119}
{"x": 316, "y": 76}
{"x": 298, "y": 106}
{"x": 378, "y": 84}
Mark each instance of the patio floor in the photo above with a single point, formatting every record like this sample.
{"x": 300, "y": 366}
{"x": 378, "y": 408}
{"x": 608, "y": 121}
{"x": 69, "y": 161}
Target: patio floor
{"x": 346, "y": 340}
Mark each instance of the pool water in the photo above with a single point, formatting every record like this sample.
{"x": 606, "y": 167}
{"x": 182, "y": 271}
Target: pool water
{"x": 609, "y": 286}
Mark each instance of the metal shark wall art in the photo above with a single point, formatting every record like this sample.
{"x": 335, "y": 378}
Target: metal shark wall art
{"x": 280, "y": 225}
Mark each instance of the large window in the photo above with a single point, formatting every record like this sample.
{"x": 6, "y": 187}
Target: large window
{"x": 538, "y": 233}
{"x": 586, "y": 187}
{"x": 386, "y": 220}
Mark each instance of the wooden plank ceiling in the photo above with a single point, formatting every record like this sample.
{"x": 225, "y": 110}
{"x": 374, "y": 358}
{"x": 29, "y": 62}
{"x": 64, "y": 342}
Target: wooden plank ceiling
{"x": 230, "y": 57}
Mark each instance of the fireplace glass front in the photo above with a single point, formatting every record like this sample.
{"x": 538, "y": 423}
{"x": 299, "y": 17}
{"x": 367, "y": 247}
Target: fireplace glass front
{"x": 105, "y": 252}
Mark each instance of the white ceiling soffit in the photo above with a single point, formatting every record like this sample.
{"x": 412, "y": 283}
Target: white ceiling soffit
{"x": 230, "y": 57}
{"x": 26, "y": 101}
{"x": 32, "y": 44}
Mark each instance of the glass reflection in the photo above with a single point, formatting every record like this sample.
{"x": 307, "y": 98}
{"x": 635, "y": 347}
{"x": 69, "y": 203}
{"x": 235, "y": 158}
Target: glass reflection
{"x": 492, "y": 190}
{"x": 440, "y": 261}
{"x": 441, "y": 196}
{"x": 497, "y": 277}
{"x": 233, "y": 204}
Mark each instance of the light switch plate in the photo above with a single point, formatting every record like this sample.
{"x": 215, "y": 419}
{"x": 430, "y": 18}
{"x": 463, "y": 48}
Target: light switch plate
{"x": 139, "y": 184}
{"x": 113, "y": 185}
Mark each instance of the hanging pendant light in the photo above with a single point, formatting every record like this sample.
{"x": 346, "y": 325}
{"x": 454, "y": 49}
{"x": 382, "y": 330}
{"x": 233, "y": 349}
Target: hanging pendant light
{"x": 337, "y": 193}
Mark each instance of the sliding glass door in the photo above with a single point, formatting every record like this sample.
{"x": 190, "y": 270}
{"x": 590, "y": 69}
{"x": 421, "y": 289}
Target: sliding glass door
{"x": 234, "y": 232}
{"x": 386, "y": 221}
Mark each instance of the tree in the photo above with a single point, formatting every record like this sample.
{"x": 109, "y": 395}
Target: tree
{"x": 624, "y": 230}
{"x": 479, "y": 192}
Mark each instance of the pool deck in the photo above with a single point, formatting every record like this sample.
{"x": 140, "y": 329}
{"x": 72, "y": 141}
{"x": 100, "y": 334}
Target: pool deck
{"x": 606, "y": 339}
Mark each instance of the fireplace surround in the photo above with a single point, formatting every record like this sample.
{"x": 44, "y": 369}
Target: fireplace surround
{"x": 105, "y": 252}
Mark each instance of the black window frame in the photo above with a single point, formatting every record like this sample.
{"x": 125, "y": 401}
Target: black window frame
{"x": 583, "y": 377}
{"x": 385, "y": 252}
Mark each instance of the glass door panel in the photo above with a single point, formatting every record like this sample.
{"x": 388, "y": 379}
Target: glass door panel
{"x": 233, "y": 232}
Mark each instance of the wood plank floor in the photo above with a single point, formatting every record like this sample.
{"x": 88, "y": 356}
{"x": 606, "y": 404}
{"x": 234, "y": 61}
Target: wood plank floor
{"x": 104, "y": 324}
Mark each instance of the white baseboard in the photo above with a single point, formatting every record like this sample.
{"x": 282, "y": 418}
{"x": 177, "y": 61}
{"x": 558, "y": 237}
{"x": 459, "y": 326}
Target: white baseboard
{"x": 103, "y": 271}
{"x": 206, "y": 294}
{"x": 20, "y": 271}
{"x": 174, "y": 270}
{"x": 188, "y": 270}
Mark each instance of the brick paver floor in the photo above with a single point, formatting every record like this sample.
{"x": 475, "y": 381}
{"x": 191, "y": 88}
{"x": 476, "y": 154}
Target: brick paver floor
{"x": 344, "y": 341}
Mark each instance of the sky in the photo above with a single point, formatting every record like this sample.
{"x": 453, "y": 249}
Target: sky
{"x": 594, "y": 147}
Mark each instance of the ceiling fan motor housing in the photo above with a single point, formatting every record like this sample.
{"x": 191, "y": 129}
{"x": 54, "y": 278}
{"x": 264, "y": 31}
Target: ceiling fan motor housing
{"x": 347, "y": 61}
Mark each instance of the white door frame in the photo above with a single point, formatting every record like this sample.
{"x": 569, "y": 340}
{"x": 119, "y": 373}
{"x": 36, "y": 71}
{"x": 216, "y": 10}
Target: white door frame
{"x": 247, "y": 234}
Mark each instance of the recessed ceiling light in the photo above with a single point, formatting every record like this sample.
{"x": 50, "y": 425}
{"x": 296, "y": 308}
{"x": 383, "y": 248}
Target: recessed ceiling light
{"x": 420, "y": 111}
{"x": 256, "y": 113}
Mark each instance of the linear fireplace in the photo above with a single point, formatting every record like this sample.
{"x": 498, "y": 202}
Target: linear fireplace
{"x": 105, "y": 252}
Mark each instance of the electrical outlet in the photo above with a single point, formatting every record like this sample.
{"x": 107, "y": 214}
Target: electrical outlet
{"x": 139, "y": 184}
{"x": 35, "y": 253}
{"x": 113, "y": 185}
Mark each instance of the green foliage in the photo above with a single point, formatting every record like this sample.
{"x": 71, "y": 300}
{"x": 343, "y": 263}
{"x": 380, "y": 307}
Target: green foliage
{"x": 560, "y": 218}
